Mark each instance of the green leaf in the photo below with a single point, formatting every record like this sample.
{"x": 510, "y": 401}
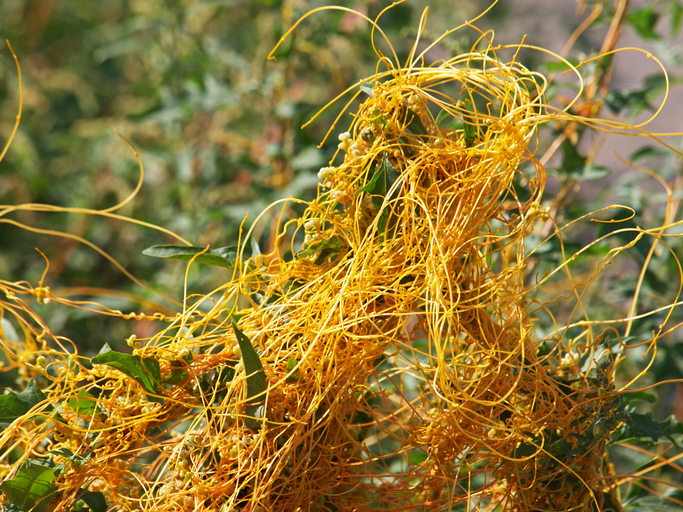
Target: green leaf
{"x": 382, "y": 224}
{"x": 381, "y": 182}
{"x": 367, "y": 89}
{"x": 145, "y": 371}
{"x": 256, "y": 380}
{"x": 291, "y": 364}
{"x": 524, "y": 450}
{"x": 176, "y": 377}
{"x": 415, "y": 124}
{"x": 560, "y": 448}
{"x": 636, "y": 491}
{"x": 441, "y": 116}
{"x": 15, "y": 405}
{"x": 469, "y": 127}
{"x": 369, "y": 187}
{"x": 595, "y": 172}
{"x": 640, "y": 396}
{"x": 676, "y": 17}
{"x": 384, "y": 178}
{"x": 256, "y": 377}
{"x": 653, "y": 504}
{"x": 377, "y": 118}
{"x": 64, "y": 452}
{"x": 326, "y": 248}
{"x": 470, "y": 134}
{"x": 225, "y": 257}
{"x": 416, "y": 457}
{"x": 32, "y": 485}
{"x": 95, "y": 500}
{"x": 7, "y": 331}
{"x": 179, "y": 369}
{"x": 558, "y": 66}
{"x": 572, "y": 163}
{"x": 622, "y": 99}
{"x": 656, "y": 83}
{"x": 644, "y": 21}
{"x": 646, "y": 152}
{"x": 544, "y": 349}
{"x": 646, "y": 431}
{"x": 84, "y": 404}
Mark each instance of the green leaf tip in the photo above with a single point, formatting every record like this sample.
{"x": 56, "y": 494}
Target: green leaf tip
{"x": 256, "y": 377}
{"x": 292, "y": 362}
{"x": 145, "y": 371}
{"x": 256, "y": 381}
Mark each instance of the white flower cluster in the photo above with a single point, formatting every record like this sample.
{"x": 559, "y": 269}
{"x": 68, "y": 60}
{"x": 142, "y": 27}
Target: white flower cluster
{"x": 333, "y": 180}
{"x": 311, "y": 227}
{"x": 310, "y": 238}
{"x": 312, "y": 224}
{"x": 415, "y": 102}
{"x": 351, "y": 148}
{"x": 569, "y": 359}
{"x": 344, "y": 141}
{"x": 325, "y": 173}
{"x": 238, "y": 443}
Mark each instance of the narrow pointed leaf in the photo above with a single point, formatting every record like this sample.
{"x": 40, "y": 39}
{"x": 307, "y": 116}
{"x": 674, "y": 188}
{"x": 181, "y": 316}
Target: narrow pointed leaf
{"x": 291, "y": 364}
{"x": 469, "y": 127}
{"x": 225, "y": 257}
{"x": 387, "y": 176}
{"x": 470, "y": 137}
{"x": 370, "y": 185}
{"x": 256, "y": 378}
{"x": 595, "y": 172}
{"x": 326, "y": 248}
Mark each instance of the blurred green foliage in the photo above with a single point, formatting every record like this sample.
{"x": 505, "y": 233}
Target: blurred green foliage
{"x": 217, "y": 126}
{"x": 218, "y": 130}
